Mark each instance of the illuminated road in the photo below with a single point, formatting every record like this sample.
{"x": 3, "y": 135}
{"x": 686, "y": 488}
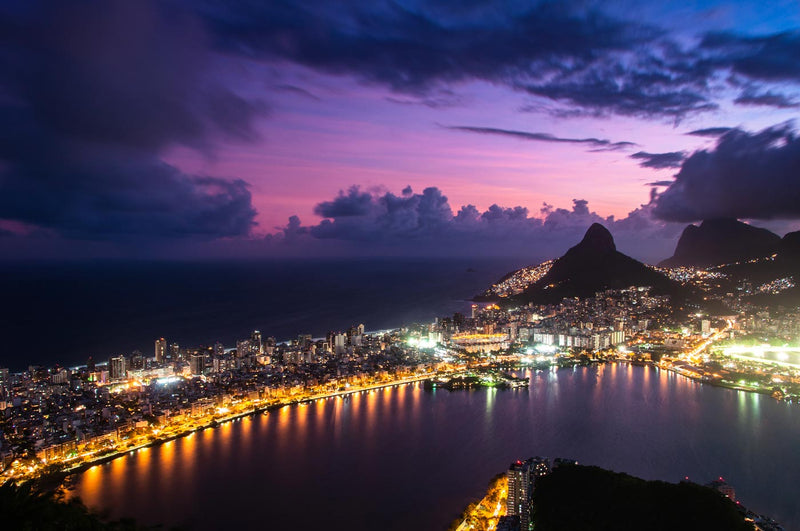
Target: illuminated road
{"x": 89, "y": 457}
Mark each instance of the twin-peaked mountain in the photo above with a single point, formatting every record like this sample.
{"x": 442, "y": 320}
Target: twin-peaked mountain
{"x": 746, "y": 255}
{"x": 722, "y": 241}
{"x": 591, "y": 266}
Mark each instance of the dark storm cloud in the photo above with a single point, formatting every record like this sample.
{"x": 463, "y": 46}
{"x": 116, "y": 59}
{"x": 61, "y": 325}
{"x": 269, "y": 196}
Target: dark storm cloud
{"x": 92, "y": 94}
{"x": 424, "y": 223}
{"x": 660, "y": 161}
{"x": 774, "y": 57}
{"x": 409, "y": 49}
{"x": 568, "y": 54}
{"x": 766, "y": 99}
{"x": 746, "y": 175}
{"x": 562, "y": 52}
{"x": 712, "y": 132}
{"x": 600, "y": 144}
{"x": 618, "y": 89}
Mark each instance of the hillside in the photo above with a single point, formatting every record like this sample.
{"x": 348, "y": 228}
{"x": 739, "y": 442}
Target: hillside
{"x": 721, "y": 241}
{"x": 581, "y": 497}
{"x": 591, "y": 266}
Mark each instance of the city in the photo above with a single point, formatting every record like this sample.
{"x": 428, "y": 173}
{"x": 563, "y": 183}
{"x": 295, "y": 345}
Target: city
{"x": 303, "y": 265}
{"x": 63, "y": 419}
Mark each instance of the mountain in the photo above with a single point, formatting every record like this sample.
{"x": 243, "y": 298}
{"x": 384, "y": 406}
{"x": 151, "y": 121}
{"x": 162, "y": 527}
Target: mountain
{"x": 721, "y": 241}
{"x": 789, "y": 249}
{"x": 591, "y": 266}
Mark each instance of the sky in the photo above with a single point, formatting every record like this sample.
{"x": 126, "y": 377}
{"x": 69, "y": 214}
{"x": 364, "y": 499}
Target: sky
{"x": 209, "y": 129}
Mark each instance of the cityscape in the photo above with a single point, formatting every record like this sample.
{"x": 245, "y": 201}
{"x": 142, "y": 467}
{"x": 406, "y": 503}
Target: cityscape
{"x": 59, "y": 419}
{"x": 400, "y": 265}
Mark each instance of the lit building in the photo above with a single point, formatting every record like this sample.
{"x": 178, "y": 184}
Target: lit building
{"x": 197, "y": 363}
{"x": 256, "y": 345}
{"x": 722, "y": 487}
{"x": 4, "y": 382}
{"x": 118, "y": 367}
{"x": 519, "y": 492}
{"x": 476, "y": 343}
{"x": 340, "y": 343}
{"x": 540, "y": 466}
{"x": 161, "y": 350}
{"x": 137, "y": 361}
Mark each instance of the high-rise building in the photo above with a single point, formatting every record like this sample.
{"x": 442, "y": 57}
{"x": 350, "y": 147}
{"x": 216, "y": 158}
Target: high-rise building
{"x": 137, "y": 361}
{"x": 522, "y": 477}
{"x": 197, "y": 363}
{"x": 243, "y": 347}
{"x": 175, "y": 352}
{"x": 256, "y": 344}
{"x": 339, "y": 343}
{"x": 519, "y": 492}
{"x": 4, "y": 382}
{"x": 118, "y": 367}
{"x": 161, "y": 350}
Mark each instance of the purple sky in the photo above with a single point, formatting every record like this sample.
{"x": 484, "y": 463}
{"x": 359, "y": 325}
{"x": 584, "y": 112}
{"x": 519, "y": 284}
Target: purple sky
{"x": 198, "y": 129}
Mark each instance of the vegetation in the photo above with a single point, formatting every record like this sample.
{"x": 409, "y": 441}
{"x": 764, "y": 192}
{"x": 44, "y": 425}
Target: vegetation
{"x": 483, "y": 515}
{"x": 26, "y": 508}
{"x": 579, "y": 497}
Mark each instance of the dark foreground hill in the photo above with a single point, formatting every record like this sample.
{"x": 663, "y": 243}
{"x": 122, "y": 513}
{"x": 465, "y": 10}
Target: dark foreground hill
{"x": 579, "y": 497}
{"x": 591, "y": 266}
{"x": 721, "y": 241}
{"x": 25, "y": 508}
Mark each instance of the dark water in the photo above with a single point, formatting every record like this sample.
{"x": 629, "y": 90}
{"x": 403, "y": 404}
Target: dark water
{"x": 403, "y": 458}
{"x": 66, "y": 313}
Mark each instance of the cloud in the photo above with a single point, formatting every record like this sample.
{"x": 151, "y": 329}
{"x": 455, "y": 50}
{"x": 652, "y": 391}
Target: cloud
{"x": 712, "y": 132}
{"x": 363, "y": 222}
{"x": 354, "y": 203}
{"x": 573, "y": 58}
{"x": 746, "y": 175}
{"x": 600, "y": 144}
{"x": 569, "y": 53}
{"x": 442, "y": 100}
{"x": 659, "y": 183}
{"x": 660, "y": 161}
{"x": 767, "y": 99}
{"x": 300, "y": 91}
{"x": 771, "y": 58}
{"x": 606, "y": 90}
{"x": 93, "y": 93}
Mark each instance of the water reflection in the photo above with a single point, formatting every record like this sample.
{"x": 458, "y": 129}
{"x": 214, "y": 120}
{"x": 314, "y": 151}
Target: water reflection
{"x": 439, "y": 449}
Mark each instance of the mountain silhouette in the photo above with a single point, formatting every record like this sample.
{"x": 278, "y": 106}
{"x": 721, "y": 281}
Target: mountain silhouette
{"x": 591, "y": 266}
{"x": 721, "y": 241}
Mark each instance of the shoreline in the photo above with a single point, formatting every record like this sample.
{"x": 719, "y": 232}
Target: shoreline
{"x": 57, "y": 479}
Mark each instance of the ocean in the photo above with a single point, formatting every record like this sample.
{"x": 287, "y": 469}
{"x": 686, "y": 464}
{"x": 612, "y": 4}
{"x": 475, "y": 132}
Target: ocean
{"x": 64, "y": 313}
